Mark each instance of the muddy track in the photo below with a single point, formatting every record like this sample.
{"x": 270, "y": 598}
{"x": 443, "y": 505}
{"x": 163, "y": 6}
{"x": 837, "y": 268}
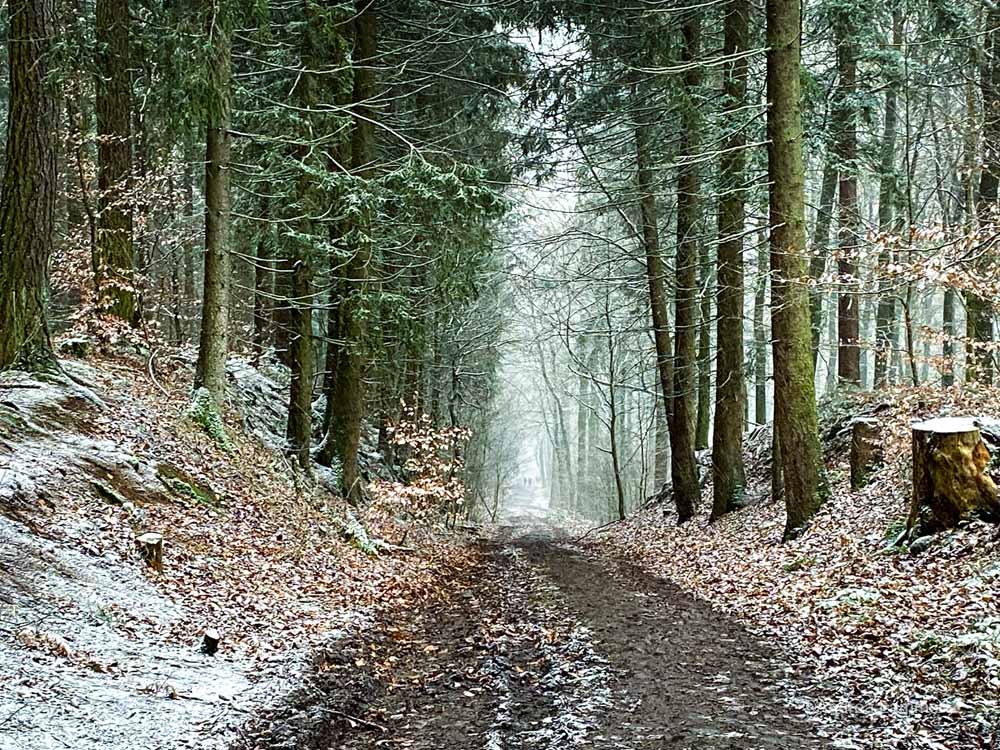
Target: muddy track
{"x": 541, "y": 647}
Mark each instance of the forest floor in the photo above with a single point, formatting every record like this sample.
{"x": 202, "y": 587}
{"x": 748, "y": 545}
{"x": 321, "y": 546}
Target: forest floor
{"x": 98, "y": 650}
{"x": 641, "y": 635}
{"x": 537, "y": 645}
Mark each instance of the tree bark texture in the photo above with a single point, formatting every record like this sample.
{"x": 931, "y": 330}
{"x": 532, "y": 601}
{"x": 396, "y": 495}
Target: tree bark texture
{"x": 213, "y": 344}
{"x": 113, "y": 262}
{"x": 845, "y": 123}
{"x": 345, "y": 423}
{"x": 795, "y": 397}
{"x": 684, "y": 470}
{"x": 950, "y": 482}
{"x": 27, "y": 205}
{"x": 728, "y": 477}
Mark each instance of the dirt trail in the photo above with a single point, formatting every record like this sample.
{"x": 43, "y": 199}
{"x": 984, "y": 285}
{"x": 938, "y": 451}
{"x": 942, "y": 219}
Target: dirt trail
{"x": 542, "y": 647}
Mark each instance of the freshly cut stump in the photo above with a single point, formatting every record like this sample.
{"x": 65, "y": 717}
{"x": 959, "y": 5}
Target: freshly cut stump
{"x": 866, "y": 450}
{"x": 949, "y": 478}
{"x": 151, "y": 548}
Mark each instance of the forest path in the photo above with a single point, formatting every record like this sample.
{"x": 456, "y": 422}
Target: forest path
{"x": 543, "y": 647}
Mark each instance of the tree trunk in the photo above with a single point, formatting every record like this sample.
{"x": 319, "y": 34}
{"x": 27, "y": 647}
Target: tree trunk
{"x": 27, "y": 201}
{"x": 831, "y": 334}
{"x": 113, "y": 264}
{"x": 950, "y": 482}
{"x": 845, "y": 123}
{"x": 684, "y": 469}
{"x": 795, "y": 397}
{"x": 866, "y": 450}
{"x": 613, "y": 420}
{"x": 345, "y": 423}
{"x": 661, "y": 448}
{"x": 704, "y": 416}
{"x": 213, "y": 344}
{"x": 263, "y": 281}
{"x": 582, "y": 442}
{"x": 190, "y": 295}
{"x": 655, "y": 276}
{"x": 979, "y": 311}
{"x": 760, "y": 333}
{"x": 301, "y": 357}
{"x": 948, "y": 333}
{"x": 886, "y": 314}
{"x": 820, "y": 250}
{"x": 728, "y": 478}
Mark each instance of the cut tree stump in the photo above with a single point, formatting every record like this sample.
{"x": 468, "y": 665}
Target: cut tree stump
{"x": 210, "y": 641}
{"x": 866, "y": 449}
{"x": 150, "y": 546}
{"x": 950, "y": 482}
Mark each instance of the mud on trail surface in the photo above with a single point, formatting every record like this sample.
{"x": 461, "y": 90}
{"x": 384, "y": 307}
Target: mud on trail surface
{"x": 541, "y": 647}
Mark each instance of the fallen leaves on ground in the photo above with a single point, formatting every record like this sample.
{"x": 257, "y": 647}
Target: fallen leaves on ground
{"x": 902, "y": 651}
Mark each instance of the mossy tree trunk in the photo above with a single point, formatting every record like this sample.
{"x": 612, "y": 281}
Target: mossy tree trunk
{"x": 684, "y": 470}
{"x": 728, "y": 477}
{"x": 349, "y": 389}
{"x": 27, "y": 205}
{"x": 794, "y": 391}
{"x": 213, "y": 346}
{"x": 113, "y": 261}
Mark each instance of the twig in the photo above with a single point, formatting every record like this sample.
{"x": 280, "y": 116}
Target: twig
{"x": 152, "y": 373}
{"x": 362, "y": 722}
{"x": 11, "y": 715}
{"x": 597, "y": 528}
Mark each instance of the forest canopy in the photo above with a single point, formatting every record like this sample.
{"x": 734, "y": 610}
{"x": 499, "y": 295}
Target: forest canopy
{"x": 617, "y": 236}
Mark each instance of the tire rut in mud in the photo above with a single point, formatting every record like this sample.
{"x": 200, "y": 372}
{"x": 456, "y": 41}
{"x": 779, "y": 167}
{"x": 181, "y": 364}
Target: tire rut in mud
{"x": 540, "y": 647}
{"x": 696, "y": 679}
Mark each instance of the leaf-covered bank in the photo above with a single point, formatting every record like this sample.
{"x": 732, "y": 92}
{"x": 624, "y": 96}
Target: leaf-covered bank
{"x": 902, "y": 645}
{"x": 98, "y": 649}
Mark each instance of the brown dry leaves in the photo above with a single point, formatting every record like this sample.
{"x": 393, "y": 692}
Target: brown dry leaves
{"x": 904, "y": 651}
{"x": 268, "y": 566}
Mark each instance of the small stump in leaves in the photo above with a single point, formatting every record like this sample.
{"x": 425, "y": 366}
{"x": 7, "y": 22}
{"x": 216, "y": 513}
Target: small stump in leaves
{"x": 950, "y": 482}
{"x": 866, "y": 450}
{"x": 150, "y": 547}
{"x": 210, "y": 641}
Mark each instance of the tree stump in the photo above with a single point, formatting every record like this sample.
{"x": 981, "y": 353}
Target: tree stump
{"x": 150, "y": 546}
{"x": 866, "y": 450}
{"x": 210, "y": 641}
{"x": 949, "y": 479}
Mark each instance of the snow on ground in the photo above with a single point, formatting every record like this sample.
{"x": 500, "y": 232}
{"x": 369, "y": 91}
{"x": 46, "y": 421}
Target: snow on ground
{"x": 97, "y": 650}
{"x": 83, "y": 662}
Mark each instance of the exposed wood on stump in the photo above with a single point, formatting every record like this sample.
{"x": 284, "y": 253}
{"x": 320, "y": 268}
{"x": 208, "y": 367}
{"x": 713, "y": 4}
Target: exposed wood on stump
{"x": 866, "y": 450}
{"x": 949, "y": 479}
{"x": 210, "y": 641}
{"x": 150, "y": 546}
